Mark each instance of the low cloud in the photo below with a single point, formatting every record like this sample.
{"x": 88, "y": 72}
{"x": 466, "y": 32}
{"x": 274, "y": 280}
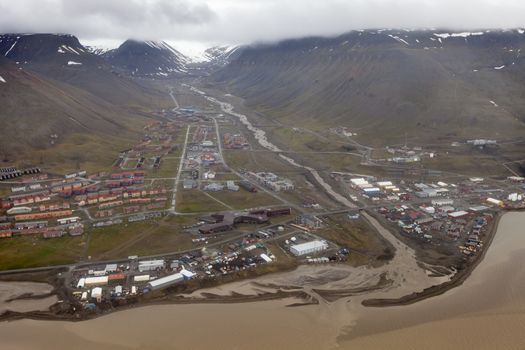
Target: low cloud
{"x": 245, "y": 21}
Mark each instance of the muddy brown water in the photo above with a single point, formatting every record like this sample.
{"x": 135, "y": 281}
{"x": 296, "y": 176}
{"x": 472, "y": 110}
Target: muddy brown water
{"x": 9, "y": 291}
{"x": 486, "y": 312}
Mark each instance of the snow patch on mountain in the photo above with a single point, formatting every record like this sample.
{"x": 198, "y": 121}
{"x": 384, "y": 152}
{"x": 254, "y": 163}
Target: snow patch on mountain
{"x": 12, "y": 46}
{"x": 399, "y": 39}
{"x": 457, "y": 35}
{"x": 2, "y": 80}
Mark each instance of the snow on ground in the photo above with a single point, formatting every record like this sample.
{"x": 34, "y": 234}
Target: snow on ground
{"x": 457, "y": 35}
{"x": 399, "y": 39}
{"x": 12, "y": 46}
{"x": 494, "y": 103}
{"x": 500, "y": 67}
{"x": 2, "y": 80}
{"x": 73, "y": 63}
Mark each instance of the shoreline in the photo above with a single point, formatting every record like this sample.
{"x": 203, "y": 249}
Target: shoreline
{"x": 457, "y": 280}
{"x": 303, "y": 299}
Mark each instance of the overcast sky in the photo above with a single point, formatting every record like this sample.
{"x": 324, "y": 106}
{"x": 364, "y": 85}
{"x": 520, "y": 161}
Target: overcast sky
{"x": 207, "y": 22}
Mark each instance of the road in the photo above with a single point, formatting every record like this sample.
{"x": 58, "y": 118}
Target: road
{"x": 271, "y": 193}
{"x": 179, "y": 171}
{"x": 260, "y": 137}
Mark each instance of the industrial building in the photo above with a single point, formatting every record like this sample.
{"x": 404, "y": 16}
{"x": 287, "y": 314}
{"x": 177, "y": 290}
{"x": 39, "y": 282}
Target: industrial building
{"x": 150, "y": 265}
{"x": 308, "y": 247}
{"x": 98, "y": 280}
{"x": 166, "y": 281}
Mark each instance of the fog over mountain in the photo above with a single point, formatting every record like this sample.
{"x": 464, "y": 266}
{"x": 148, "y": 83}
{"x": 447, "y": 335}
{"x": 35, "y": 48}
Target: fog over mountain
{"x": 241, "y": 21}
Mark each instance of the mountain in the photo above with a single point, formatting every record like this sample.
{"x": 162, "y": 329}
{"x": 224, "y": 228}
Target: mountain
{"x": 222, "y": 55}
{"x": 62, "y": 58}
{"x": 25, "y": 48}
{"x": 147, "y": 58}
{"x": 55, "y": 86}
{"x": 385, "y": 83}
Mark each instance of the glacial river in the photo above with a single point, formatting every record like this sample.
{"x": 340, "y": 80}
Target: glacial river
{"x": 260, "y": 136}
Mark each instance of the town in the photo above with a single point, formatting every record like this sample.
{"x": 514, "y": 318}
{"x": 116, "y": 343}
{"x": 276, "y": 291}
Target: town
{"x": 233, "y": 217}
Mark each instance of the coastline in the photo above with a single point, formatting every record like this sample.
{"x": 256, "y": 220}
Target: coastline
{"x": 457, "y": 280}
{"x": 301, "y": 297}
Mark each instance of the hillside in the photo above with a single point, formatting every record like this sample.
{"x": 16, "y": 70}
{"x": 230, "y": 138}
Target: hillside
{"x": 382, "y": 84}
{"x": 54, "y": 86}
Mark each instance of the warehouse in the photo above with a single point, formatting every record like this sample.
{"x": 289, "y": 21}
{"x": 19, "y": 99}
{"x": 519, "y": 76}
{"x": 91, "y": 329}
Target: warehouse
{"x": 150, "y": 265}
{"x": 308, "y": 247}
{"x": 141, "y": 278}
{"x": 19, "y": 210}
{"x": 91, "y": 281}
{"x": 442, "y": 202}
{"x": 458, "y": 214}
{"x": 166, "y": 281}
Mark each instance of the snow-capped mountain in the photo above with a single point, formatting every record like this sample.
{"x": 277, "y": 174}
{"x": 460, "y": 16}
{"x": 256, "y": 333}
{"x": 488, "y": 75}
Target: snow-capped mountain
{"x": 222, "y": 55}
{"x": 148, "y": 58}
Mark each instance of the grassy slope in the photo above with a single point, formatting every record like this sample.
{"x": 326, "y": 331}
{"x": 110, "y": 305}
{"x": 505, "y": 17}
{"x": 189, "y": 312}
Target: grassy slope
{"x": 382, "y": 90}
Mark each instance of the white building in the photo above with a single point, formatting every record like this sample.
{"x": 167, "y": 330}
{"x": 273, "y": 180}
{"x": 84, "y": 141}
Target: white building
{"x": 187, "y": 274}
{"x": 441, "y": 202}
{"x": 150, "y": 265}
{"x": 166, "y": 281}
{"x": 100, "y": 280}
{"x": 110, "y": 268}
{"x": 214, "y": 186}
{"x": 514, "y": 197}
{"x": 141, "y": 278}
{"x": 232, "y": 186}
{"x": 96, "y": 293}
{"x": 308, "y": 247}
{"x": 495, "y": 201}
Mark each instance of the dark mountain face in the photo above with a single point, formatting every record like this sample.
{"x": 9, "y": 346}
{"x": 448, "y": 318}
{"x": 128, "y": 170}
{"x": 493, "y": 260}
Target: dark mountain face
{"x": 39, "y": 48}
{"x": 147, "y": 58}
{"x": 429, "y": 83}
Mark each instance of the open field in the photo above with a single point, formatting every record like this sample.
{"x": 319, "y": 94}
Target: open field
{"x": 195, "y": 201}
{"x": 364, "y": 242}
{"x": 80, "y": 152}
{"x": 243, "y": 200}
{"x": 146, "y": 237}
{"x": 168, "y": 168}
{"x": 30, "y": 251}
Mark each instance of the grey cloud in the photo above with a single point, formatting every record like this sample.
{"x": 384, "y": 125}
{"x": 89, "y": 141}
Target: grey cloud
{"x": 244, "y": 21}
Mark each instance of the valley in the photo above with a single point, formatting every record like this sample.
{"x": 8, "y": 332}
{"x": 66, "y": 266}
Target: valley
{"x": 294, "y": 174}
